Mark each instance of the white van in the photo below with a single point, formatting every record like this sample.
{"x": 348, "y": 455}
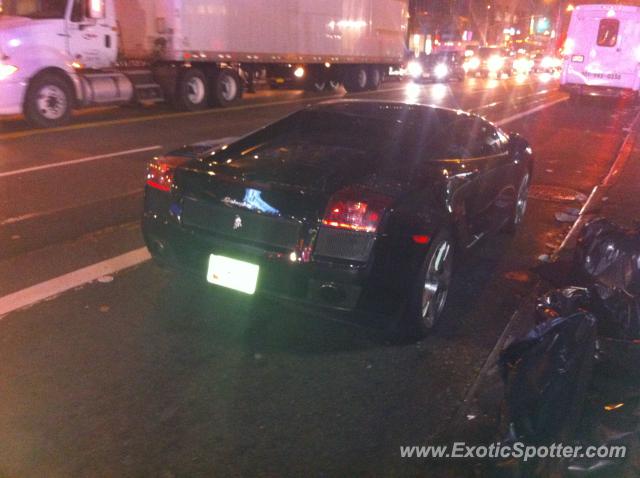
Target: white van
{"x": 602, "y": 51}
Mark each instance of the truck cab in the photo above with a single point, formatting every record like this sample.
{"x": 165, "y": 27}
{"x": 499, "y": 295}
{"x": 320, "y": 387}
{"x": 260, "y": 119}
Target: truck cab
{"x": 44, "y": 45}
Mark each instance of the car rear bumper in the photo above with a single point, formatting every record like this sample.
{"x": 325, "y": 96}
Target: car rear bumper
{"x": 597, "y": 90}
{"x": 332, "y": 285}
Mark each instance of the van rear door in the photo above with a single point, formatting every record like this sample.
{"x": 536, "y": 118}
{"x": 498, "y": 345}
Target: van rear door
{"x": 605, "y": 48}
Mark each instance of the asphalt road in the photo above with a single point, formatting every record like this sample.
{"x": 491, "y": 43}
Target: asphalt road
{"x": 151, "y": 374}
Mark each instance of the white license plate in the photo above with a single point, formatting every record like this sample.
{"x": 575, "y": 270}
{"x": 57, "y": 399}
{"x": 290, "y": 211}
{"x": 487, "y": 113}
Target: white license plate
{"x": 234, "y": 274}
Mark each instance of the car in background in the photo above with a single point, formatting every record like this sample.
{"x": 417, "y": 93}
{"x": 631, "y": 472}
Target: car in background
{"x": 522, "y": 64}
{"x": 349, "y": 205}
{"x": 437, "y": 67}
{"x": 490, "y": 61}
{"x": 546, "y": 63}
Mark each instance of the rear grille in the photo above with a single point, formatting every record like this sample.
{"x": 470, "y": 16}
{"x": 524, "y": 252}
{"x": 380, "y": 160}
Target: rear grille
{"x": 255, "y": 228}
{"x": 342, "y": 244}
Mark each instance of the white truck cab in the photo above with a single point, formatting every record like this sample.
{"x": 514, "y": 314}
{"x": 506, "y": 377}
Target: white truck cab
{"x": 602, "y": 51}
{"x": 43, "y": 46}
{"x": 57, "y": 55}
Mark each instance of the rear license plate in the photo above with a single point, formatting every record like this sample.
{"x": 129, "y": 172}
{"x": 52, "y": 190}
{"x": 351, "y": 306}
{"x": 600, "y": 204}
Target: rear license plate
{"x": 233, "y": 274}
{"x": 279, "y": 80}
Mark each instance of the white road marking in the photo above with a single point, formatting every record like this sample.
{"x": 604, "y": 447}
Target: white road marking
{"x": 522, "y": 114}
{"x": 15, "y": 172}
{"x": 58, "y": 285}
{"x": 45, "y": 290}
{"x": 24, "y": 217}
{"x": 34, "y": 215}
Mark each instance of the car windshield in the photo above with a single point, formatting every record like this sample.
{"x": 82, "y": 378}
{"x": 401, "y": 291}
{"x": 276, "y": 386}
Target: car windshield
{"x": 439, "y": 58}
{"x": 34, "y": 8}
{"x": 386, "y": 146}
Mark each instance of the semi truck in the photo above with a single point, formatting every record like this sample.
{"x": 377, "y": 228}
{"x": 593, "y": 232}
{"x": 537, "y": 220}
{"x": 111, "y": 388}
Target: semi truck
{"x": 602, "y": 51}
{"x": 59, "y": 55}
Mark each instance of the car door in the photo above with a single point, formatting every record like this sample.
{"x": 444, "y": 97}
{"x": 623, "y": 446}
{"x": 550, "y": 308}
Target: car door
{"x": 485, "y": 163}
{"x": 466, "y": 170}
{"x": 91, "y": 40}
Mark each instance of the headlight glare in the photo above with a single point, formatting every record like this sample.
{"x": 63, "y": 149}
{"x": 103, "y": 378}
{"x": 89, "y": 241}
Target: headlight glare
{"x": 7, "y": 70}
{"x": 414, "y": 68}
{"x": 440, "y": 70}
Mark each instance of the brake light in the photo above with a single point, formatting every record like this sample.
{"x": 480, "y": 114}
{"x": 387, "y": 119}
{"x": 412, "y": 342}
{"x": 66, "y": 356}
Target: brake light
{"x": 160, "y": 171}
{"x": 356, "y": 209}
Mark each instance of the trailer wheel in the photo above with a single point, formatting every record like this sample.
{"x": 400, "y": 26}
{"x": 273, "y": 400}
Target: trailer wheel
{"x": 374, "y": 78}
{"x": 332, "y": 85}
{"x": 315, "y": 85}
{"x": 191, "y": 91}
{"x": 48, "y": 101}
{"x": 225, "y": 88}
{"x": 356, "y": 79}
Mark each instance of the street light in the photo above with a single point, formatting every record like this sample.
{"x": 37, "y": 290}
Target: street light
{"x": 570, "y": 8}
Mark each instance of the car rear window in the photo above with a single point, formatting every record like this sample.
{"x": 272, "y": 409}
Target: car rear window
{"x": 608, "y": 32}
{"x": 376, "y": 144}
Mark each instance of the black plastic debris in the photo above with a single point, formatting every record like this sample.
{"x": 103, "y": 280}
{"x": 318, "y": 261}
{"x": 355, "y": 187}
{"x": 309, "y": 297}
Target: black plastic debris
{"x": 546, "y": 373}
{"x": 562, "y": 303}
{"x": 610, "y": 254}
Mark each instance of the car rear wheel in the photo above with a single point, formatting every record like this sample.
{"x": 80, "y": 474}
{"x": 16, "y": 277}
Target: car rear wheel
{"x": 431, "y": 288}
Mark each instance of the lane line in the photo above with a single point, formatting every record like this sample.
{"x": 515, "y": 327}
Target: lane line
{"x": 517, "y": 116}
{"x": 161, "y": 116}
{"x": 58, "y": 285}
{"x": 151, "y": 148}
{"x": 44, "y": 290}
{"x": 15, "y": 172}
{"x": 34, "y": 215}
{"x": 187, "y": 114}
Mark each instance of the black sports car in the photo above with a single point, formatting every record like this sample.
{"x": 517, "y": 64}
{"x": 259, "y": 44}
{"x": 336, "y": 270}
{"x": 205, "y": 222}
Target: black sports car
{"x": 345, "y": 204}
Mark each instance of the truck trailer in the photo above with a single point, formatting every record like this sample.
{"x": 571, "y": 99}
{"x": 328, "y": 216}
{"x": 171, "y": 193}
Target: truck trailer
{"x": 59, "y": 55}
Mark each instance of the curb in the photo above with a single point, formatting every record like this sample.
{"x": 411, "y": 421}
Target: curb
{"x": 624, "y": 152}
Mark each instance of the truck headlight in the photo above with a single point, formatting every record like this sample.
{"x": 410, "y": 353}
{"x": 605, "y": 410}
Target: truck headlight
{"x": 440, "y": 70}
{"x": 414, "y": 68}
{"x": 495, "y": 63}
{"x": 7, "y": 70}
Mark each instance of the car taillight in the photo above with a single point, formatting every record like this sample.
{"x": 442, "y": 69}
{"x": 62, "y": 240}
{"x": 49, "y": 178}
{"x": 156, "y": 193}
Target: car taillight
{"x": 160, "y": 171}
{"x": 356, "y": 209}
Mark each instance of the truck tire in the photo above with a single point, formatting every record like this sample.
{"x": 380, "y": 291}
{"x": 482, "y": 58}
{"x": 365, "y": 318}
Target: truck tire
{"x": 374, "y": 78}
{"x": 48, "y": 101}
{"x": 191, "y": 90}
{"x": 226, "y": 88}
{"x": 356, "y": 79}
{"x": 332, "y": 85}
{"x": 315, "y": 84}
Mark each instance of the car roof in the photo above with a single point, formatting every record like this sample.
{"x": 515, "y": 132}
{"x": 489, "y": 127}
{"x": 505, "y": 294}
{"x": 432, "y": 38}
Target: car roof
{"x": 389, "y": 110}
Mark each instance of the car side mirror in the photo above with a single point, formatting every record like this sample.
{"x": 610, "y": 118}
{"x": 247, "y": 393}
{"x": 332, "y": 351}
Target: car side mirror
{"x": 517, "y": 142}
